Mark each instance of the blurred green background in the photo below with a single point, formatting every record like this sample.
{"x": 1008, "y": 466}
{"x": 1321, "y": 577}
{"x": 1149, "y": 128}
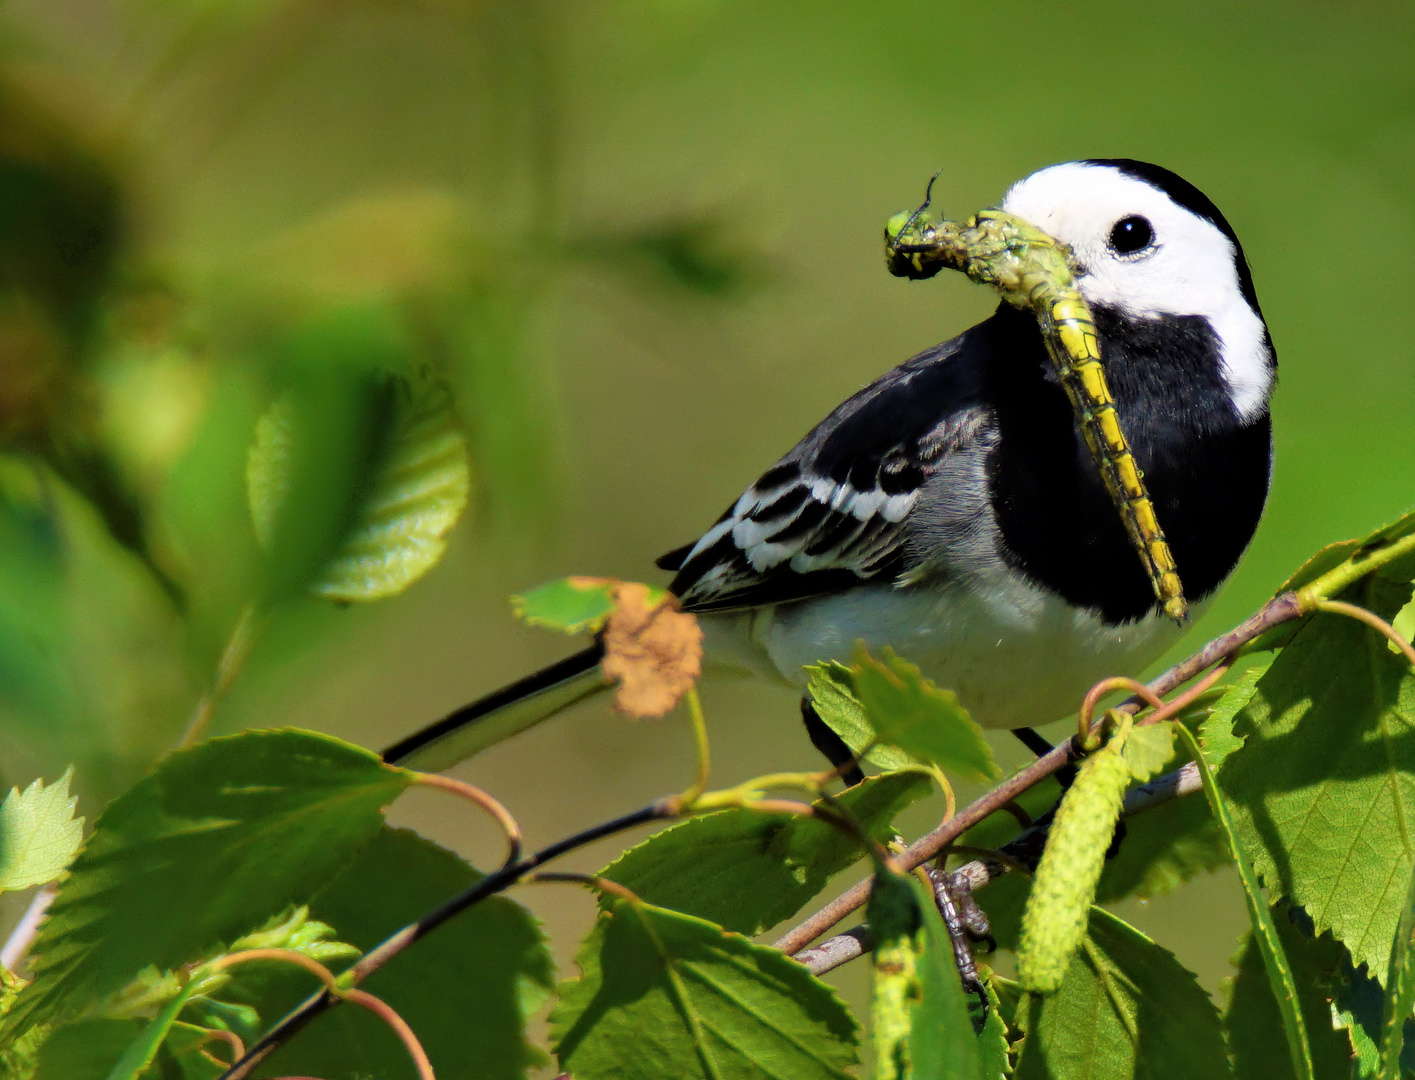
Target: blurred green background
{"x": 643, "y": 239}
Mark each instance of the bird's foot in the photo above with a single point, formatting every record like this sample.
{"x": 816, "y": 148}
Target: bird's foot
{"x": 966, "y": 924}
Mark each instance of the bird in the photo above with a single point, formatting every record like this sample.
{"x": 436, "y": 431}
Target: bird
{"x": 951, "y": 511}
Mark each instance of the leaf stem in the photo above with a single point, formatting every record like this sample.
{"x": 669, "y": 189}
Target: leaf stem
{"x": 1109, "y": 686}
{"x": 750, "y": 791}
{"x": 1280, "y": 978}
{"x": 476, "y": 795}
{"x": 1400, "y": 992}
{"x": 233, "y": 658}
{"x": 594, "y": 881}
{"x": 1371, "y": 619}
{"x": 1366, "y": 560}
{"x": 230, "y": 1038}
{"x": 702, "y": 752}
{"x": 950, "y": 798}
{"x": 288, "y": 956}
{"x": 389, "y": 1016}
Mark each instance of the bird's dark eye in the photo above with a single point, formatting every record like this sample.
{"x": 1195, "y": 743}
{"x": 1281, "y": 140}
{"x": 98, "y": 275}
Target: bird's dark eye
{"x": 1130, "y": 235}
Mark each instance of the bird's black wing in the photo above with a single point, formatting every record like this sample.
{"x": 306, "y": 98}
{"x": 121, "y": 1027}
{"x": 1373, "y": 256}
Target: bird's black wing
{"x": 843, "y": 506}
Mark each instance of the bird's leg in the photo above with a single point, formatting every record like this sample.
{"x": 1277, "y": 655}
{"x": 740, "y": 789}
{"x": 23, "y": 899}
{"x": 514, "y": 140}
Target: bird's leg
{"x": 1038, "y": 745}
{"x": 824, "y": 739}
{"x": 966, "y": 923}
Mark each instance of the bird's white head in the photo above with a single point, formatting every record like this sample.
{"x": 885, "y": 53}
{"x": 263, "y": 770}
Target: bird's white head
{"x": 1149, "y": 244}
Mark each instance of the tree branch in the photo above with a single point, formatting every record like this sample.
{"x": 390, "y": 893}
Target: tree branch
{"x": 858, "y": 940}
{"x": 1279, "y": 610}
{"x": 380, "y": 955}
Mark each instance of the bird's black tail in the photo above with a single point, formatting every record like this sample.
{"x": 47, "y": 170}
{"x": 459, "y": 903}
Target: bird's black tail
{"x": 501, "y": 714}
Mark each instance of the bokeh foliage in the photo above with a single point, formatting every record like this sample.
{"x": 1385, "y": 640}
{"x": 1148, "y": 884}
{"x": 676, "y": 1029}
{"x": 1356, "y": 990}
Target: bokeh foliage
{"x": 535, "y": 199}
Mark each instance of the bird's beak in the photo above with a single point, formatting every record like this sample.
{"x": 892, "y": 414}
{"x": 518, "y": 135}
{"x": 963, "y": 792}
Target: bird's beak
{"x": 1035, "y": 271}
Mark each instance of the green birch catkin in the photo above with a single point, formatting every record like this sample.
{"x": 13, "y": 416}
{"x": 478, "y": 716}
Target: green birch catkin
{"x": 1060, "y": 902}
{"x": 897, "y": 923}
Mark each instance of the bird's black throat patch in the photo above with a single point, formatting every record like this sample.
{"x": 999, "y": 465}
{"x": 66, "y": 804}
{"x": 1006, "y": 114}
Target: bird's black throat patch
{"x": 1206, "y": 469}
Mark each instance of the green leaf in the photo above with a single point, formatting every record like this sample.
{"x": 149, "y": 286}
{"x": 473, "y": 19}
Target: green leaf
{"x": 1403, "y": 624}
{"x": 1126, "y": 1009}
{"x": 1400, "y": 989}
{"x": 668, "y": 995}
{"x": 35, "y": 686}
{"x": 571, "y": 605}
{"x": 1365, "y": 1050}
{"x": 748, "y": 870}
{"x": 1148, "y": 750}
{"x": 86, "y": 1050}
{"x": 319, "y": 445}
{"x": 228, "y": 997}
{"x": 919, "y": 1019}
{"x": 467, "y": 990}
{"x": 268, "y": 466}
{"x": 1323, "y": 791}
{"x": 1360, "y": 1009}
{"x": 1164, "y": 847}
{"x": 1253, "y": 1023}
{"x": 217, "y": 839}
{"x": 18, "y": 1056}
{"x": 38, "y": 833}
{"x": 694, "y": 252}
{"x": 357, "y": 482}
{"x": 832, "y": 689}
{"x": 1326, "y": 559}
{"x": 908, "y": 711}
{"x": 1280, "y": 977}
{"x": 993, "y": 1046}
{"x": 415, "y": 494}
{"x": 1216, "y": 731}
{"x": 1065, "y": 882}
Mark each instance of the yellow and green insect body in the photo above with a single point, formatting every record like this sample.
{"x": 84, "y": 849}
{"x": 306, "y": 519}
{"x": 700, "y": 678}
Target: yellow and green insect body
{"x": 1032, "y": 270}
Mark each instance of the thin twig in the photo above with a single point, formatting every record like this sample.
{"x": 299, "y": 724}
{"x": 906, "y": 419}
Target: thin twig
{"x": 1281, "y": 609}
{"x": 490, "y": 885}
{"x": 997, "y": 855}
{"x": 22, "y": 936}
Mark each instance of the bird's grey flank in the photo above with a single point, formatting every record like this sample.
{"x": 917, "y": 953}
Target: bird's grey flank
{"x": 951, "y": 510}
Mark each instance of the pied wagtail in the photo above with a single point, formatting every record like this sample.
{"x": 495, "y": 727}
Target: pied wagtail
{"x": 951, "y": 509}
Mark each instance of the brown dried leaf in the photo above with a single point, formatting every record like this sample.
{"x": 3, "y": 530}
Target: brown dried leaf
{"x": 654, "y": 650}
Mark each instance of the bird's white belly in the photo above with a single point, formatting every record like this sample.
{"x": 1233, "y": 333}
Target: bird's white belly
{"x": 1015, "y": 655}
